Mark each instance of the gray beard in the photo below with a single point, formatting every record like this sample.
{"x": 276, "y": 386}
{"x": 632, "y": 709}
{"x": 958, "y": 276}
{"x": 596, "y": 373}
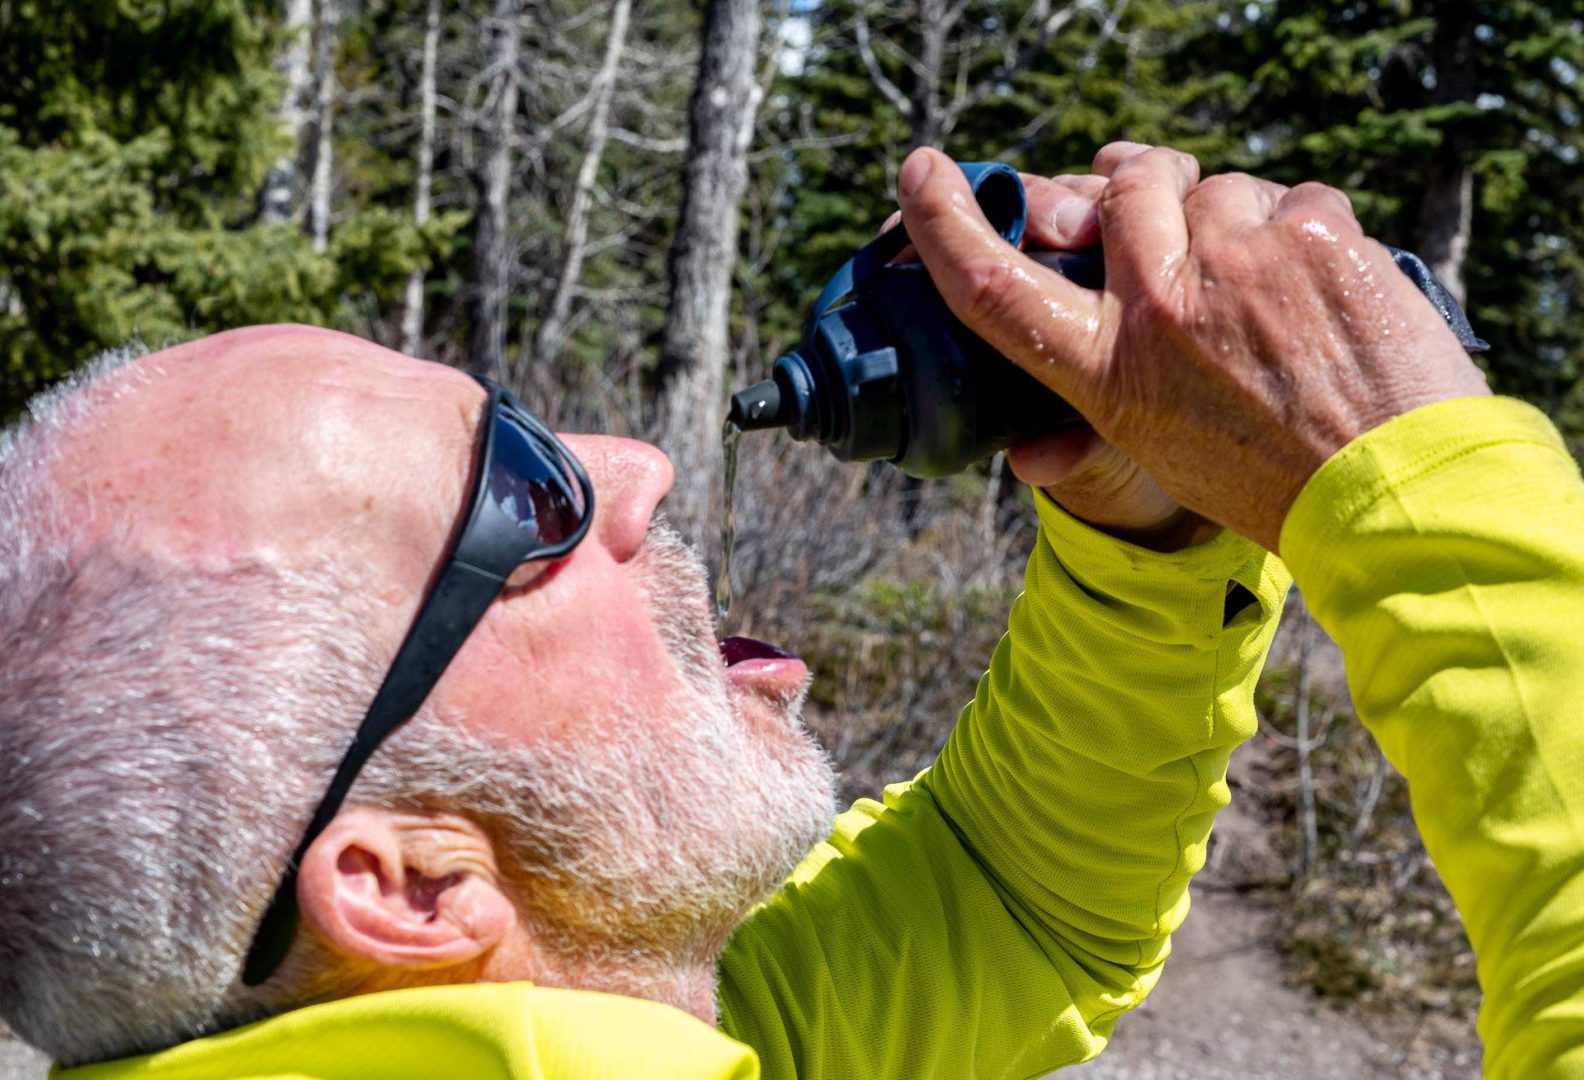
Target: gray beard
{"x": 640, "y": 846}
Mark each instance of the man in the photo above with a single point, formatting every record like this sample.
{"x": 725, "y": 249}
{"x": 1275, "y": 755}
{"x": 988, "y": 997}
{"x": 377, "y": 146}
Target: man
{"x": 214, "y": 555}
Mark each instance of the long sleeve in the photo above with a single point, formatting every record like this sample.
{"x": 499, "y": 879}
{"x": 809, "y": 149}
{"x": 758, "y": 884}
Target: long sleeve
{"x": 1445, "y": 553}
{"x": 994, "y": 917}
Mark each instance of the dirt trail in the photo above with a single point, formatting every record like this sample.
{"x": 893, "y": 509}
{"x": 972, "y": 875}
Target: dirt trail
{"x": 17, "y": 1062}
{"x": 1224, "y": 1007}
{"x": 1222, "y": 1010}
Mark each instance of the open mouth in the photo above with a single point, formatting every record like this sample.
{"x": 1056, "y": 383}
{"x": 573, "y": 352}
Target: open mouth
{"x": 737, "y": 650}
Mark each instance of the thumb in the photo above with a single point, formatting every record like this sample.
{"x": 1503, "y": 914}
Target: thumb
{"x": 1044, "y": 323}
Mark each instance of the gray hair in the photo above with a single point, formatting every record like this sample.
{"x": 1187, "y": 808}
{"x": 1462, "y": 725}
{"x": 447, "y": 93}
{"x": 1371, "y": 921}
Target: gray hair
{"x": 164, "y": 732}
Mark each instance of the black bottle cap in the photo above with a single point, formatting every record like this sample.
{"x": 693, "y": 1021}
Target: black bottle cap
{"x": 758, "y": 407}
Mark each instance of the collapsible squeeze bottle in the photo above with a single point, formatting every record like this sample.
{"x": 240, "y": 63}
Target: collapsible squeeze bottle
{"x": 885, "y": 371}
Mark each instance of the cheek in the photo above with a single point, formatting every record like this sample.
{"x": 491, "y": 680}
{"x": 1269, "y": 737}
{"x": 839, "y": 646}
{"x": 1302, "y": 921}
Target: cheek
{"x": 571, "y": 655}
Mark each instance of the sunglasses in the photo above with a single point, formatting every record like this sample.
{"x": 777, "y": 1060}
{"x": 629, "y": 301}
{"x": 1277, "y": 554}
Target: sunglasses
{"x": 530, "y": 501}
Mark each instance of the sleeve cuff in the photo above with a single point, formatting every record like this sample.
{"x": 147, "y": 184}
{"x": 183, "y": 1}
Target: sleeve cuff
{"x": 1190, "y": 585}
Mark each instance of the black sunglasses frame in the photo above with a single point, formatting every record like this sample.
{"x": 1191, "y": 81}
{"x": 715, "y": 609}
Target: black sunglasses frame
{"x": 491, "y": 545}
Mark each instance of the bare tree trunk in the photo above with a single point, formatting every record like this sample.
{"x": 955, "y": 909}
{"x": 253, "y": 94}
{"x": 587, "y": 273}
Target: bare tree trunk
{"x": 278, "y": 197}
{"x": 552, "y": 332}
{"x": 491, "y": 255}
{"x": 413, "y": 307}
{"x": 926, "y": 113}
{"x": 1309, "y": 831}
{"x": 1446, "y": 214}
{"x": 704, "y": 253}
{"x": 324, "y": 120}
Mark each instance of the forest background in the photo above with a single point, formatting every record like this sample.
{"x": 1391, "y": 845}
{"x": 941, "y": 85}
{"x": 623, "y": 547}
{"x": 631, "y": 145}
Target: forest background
{"x": 621, "y": 207}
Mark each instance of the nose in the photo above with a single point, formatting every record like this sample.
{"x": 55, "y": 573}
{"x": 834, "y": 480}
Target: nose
{"x": 630, "y": 478}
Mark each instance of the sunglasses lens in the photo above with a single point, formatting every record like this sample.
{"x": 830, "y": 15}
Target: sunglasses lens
{"x": 532, "y": 483}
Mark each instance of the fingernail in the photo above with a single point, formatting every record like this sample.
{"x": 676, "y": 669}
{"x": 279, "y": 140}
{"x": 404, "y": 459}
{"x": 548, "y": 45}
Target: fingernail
{"x": 1072, "y": 218}
{"x": 915, "y": 170}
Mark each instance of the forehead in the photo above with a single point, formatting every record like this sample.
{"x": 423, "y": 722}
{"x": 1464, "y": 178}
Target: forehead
{"x": 277, "y": 443}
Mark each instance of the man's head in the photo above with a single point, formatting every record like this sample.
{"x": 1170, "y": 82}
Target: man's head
{"x": 207, "y": 559}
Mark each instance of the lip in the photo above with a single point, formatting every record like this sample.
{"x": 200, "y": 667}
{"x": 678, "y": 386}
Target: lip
{"x": 737, "y": 650}
{"x": 762, "y": 668}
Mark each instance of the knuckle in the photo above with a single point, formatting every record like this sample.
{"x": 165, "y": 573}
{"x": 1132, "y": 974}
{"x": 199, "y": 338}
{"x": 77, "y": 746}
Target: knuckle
{"x": 1323, "y": 199}
{"x": 1293, "y": 228}
{"x": 1112, "y": 155}
{"x": 1125, "y": 184}
{"x": 1213, "y": 189}
{"x": 1177, "y": 163}
{"x": 1229, "y": 260}
{"x": 984, "y": 290}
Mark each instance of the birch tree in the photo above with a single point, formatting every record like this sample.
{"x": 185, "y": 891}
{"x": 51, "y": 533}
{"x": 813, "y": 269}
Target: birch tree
{"x": 491, "y": 250}
{"x": 1446, "y": 210}
{"x": 699, "y": 272}
{"x": 413, "y": 300}
{"x": 278, "y": 197}
{"x": 324, "y": 125}
{"x": 552, "y": 331}
{"x": 956, "y": 63}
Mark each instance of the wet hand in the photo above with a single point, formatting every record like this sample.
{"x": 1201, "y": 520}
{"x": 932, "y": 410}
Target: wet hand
{"x": 1246, "y": 332}
{"x": 1080, "y": 471}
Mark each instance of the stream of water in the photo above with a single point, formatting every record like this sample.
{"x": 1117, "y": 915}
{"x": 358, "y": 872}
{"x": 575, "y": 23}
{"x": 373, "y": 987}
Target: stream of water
{"x": 731, "y": 435}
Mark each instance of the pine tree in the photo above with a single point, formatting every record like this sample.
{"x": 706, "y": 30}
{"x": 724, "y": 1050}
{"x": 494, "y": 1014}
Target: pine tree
{"x": 1455, "y": 129}
{"x": 134, "y": 142}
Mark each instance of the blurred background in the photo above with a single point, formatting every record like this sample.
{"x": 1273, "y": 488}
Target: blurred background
{"x": 623, "y": 208}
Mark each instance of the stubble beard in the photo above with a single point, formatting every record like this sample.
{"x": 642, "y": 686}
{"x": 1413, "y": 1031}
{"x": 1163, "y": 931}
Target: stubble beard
{"x": 635, "y": 850}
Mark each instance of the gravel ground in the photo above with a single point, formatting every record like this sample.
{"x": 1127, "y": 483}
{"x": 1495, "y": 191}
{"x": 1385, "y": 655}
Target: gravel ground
{"x": 1223, "y": 1012}
{"x": 18, "y": 1062}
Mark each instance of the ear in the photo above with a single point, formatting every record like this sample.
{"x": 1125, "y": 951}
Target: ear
{"x": 404, "y": 890}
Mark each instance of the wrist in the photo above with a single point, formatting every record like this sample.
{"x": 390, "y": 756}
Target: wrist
{"x": 1177, "y": 530}
{"x": 1183, "y": 530}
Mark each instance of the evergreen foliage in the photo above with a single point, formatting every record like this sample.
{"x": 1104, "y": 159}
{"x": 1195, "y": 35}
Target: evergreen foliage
{"x": 1345, "y": 91}
{"x": 133, "y": 140}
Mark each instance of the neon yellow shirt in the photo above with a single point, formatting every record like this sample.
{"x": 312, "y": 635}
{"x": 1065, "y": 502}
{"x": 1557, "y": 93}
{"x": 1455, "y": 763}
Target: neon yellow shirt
{"x": 1445, "y": 551}
{"x": 997, "y": 915}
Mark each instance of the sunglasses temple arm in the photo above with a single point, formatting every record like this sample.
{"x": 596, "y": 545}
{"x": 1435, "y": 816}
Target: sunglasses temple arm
{"x": 456, "y": 604}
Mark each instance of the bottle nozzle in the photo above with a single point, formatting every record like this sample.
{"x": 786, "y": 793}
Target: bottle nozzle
{"x": 758, "y": 407}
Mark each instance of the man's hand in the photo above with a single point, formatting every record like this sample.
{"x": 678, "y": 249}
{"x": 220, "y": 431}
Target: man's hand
{"x": 1085, "y": 475}
{"x": 1080, "y": 471}
{"x": 1246, "y": 332}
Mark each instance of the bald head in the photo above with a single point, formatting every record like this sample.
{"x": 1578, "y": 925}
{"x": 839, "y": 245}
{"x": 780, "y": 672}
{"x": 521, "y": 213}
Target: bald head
{"x": 278, "y": 444}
